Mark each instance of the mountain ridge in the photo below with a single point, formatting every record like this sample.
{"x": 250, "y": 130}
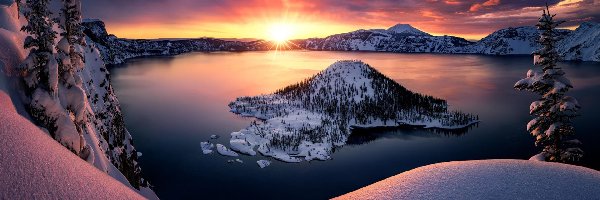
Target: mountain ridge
{"x": 576, "y": 45}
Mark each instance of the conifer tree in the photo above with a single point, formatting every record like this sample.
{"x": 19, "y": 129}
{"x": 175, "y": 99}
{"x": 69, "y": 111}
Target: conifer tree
{"x": 70, "y": 47}
{"x": 40, "y": 72}
{"x": 40, "y": 67}
{"x": 554, "y": 111}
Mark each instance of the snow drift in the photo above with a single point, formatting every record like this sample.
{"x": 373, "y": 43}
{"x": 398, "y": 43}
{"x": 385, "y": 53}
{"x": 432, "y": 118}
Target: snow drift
{"x": 34, "y": 166}
{"x": 487, "y": 179}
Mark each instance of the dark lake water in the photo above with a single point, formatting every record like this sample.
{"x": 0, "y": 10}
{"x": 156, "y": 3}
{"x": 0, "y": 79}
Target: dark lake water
{"x": 172, "y": 104}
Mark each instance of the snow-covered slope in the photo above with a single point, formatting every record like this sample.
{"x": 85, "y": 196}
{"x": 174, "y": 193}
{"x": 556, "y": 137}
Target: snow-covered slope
{"x": 400, "y": 38}
{"x": 510, "y": 41}
{"x": 34, "y": 166}
{"x": 305, "y": 121}
{"x": 93, "y": 118}
{"x": 582, "y": 44}
{"x": 487, "y": 179}
{"x": 406, "y": 29}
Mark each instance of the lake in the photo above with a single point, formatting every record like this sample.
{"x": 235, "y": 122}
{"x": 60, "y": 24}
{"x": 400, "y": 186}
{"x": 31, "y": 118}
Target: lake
{"x": 171, "y": 104}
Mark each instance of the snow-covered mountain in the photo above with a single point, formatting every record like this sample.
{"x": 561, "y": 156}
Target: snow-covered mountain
{"x": 116, "y": 50}
{"x": 581, "y": 44}
{"x": 510, "y": 41}
{"x": 406, "y": 29}
{"x": 305, "y": 121}
{"x": 400, "y": 38}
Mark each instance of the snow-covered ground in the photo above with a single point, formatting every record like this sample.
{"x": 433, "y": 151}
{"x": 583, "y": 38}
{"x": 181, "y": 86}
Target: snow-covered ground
{"x": 487, "y": 179}
{"x": 305, "y": 121}
{"x": 88, "y": 100}
{"x": 34, "y": 166}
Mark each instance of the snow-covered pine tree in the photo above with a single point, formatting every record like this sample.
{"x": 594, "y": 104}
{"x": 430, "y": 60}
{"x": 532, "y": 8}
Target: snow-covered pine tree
{"x": 40, "y": 63}
{"x": 70, "y": 60}
{"x": 40, "y": 72}
{"x": 554, "y": 111}
{"x": 70, "y": 46}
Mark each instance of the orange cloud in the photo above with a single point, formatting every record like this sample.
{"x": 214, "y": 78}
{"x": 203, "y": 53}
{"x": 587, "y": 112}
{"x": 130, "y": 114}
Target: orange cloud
{"x": 478, "y": 6}
{"x": 453, "y": 2}
{"x": 471, "y": 19}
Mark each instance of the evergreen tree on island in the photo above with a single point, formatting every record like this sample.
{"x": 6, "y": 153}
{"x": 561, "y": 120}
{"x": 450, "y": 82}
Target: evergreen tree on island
{"x": 554, "y": 111}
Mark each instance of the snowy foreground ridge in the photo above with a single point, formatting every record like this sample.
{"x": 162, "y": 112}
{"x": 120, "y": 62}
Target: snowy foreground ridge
{"x": 305, "y": 121}
{"x": 34, "y": 166}
{"x": 487, "y": 179}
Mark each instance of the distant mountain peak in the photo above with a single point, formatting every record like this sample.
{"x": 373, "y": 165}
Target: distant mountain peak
{"x": 407, "y": 29}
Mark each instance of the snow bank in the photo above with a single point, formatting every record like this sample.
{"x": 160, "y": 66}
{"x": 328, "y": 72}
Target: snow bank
{"x": 487, "y": 179}
{"x": 305, "y": 121}
{"x": 104, "y": 141}
{"x": 34, "y": 166}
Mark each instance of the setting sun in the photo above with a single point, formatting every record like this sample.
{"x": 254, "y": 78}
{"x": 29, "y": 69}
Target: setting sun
{"x": 280, "y": 32}
{"x": 229, "y": 95}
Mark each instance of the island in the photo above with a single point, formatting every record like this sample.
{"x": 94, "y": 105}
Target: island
{"x": 307, "y": 120}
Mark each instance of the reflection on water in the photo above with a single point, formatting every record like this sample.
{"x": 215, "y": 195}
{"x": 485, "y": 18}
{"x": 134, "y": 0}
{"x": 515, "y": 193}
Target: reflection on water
{"x": 172, "y": 104}
{"x": 360, "y": 136}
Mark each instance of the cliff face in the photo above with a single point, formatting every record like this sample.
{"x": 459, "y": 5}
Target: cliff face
{"x": 116, "y": 50}
{"x": 99, "y": 134}
{"x": 105, "y": 119}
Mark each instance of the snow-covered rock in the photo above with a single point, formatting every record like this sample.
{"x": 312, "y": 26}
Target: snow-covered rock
{"x": 263, "y": 163}
{"x": 206, "y": 147}
{"x": 305, "y": 121}
{"x": 223, "y": 150}
{"x": 487, "y": 179}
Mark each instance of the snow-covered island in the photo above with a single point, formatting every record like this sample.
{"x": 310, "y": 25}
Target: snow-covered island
{"x": 305, "y": 121}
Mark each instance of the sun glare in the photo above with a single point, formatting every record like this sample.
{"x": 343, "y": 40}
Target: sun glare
{"x": 280, "y": 33}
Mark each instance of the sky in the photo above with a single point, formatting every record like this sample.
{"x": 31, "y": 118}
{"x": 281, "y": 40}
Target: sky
{"x": 298, "y": 19}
